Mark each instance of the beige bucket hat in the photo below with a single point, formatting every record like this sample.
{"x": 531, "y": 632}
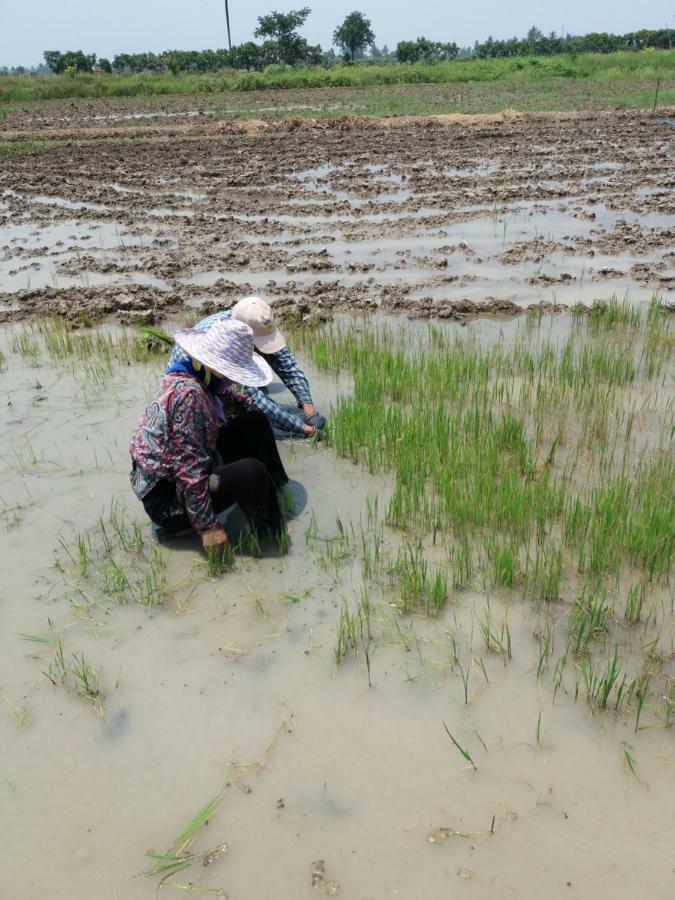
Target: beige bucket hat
{"x": 259, "y": 317}
{"x": 227, "y": 348}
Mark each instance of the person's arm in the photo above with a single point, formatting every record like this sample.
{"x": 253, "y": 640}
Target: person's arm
{"x": 286, "y": 367}
{"x": 192, "y": 456}
{"x": 279, "y": 417}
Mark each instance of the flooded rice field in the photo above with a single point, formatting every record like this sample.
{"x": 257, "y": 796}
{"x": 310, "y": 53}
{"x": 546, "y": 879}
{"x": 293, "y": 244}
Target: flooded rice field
{"x": 460, "y": 681}
{"x": 394, "y": 709}
{"x": 428, "y": 217}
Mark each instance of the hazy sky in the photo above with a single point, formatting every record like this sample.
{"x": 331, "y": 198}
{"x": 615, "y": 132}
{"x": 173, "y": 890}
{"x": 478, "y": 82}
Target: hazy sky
{"x": 106, "y": 28}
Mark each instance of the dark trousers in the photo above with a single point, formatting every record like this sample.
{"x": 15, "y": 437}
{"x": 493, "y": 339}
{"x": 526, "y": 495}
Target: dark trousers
{"x": 251, "y": 473}
{"x": 250, "y": 435}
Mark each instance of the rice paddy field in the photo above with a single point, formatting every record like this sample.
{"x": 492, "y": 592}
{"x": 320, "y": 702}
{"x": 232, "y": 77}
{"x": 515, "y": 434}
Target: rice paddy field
{"x": 459, "y": 680}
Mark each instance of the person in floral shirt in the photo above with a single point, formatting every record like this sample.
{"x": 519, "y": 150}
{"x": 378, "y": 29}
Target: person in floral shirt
{"x": 173, "y": 449}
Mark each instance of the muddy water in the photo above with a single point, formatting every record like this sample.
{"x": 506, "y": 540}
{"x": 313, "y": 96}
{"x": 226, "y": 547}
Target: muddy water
{"x": 451, "y": 214}
{"x": 234, "y": 680}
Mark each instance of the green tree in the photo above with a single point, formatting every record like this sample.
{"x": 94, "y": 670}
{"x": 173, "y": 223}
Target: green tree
{"x": 282, "y": 30}
{"x": 105, "y": 64}
{"x": 173, "y": 64}
{"x": 354, "y": 34}
{"x": 54, "y": 59}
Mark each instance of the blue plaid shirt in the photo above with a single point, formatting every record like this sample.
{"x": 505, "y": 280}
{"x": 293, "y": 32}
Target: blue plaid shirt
{"x": 283, "y": 364}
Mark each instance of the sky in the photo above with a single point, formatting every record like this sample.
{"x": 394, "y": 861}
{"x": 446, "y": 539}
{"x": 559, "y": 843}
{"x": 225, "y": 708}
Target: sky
{"x": 106, "y": 28}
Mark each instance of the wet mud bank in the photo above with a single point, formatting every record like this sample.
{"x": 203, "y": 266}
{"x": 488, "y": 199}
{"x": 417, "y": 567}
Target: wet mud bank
{"x": 452, "y": 217}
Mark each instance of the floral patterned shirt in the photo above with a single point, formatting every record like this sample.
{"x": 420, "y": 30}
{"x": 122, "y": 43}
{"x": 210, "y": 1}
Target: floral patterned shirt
{"x": 175, "y": 440}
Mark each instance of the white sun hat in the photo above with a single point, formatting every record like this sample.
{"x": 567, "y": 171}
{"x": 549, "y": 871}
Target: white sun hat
{"x": 227, "y": 348}
{"x": 259, "y": 317}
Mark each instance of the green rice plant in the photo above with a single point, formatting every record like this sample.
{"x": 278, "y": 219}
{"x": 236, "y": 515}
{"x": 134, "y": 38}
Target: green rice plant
{"x": 219, "y": 560}
{"x": 599, "y": 684}
{"x": 152, "y": 588}
{"x": 628, "y": 754}
{"x": 462, "y": 563}
{"x": 283, "y": 541}
{"x": 83, "y": 555}
{"x": 559, "y": 672}
{"x": 178, "y": 857}
{"x": 635, "y": 601}
{"x": 589, "y": 617}
{"x": 642, "y": 683}
{"x": 543, "y": 574}
{"x": 545, "y": 649}
{"x": 26, "y": 346}
{"x": 128, "y": 535}
{"x": 57, "y": 671}
{"x": 87, "y": 682}
{"x": 614, "y": 313}
{"x": 464, "y": 753}
{"x": 496, "y": 642}
{"x": 347, "y": 639}
{"x": 464, "y": 674}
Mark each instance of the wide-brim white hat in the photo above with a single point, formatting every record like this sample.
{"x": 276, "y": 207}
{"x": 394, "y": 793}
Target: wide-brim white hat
{"x": 228, "y": 349}
{"x": 259, "y": 317}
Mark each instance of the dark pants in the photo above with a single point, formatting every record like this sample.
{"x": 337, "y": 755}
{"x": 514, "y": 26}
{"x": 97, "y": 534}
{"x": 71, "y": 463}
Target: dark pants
{"x": 250, "y": 435}
{"x": 252, "y": 472}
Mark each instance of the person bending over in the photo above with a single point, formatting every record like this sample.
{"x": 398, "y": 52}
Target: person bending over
{"x": 270, "y": 344}
{"x": 173, "y": 449}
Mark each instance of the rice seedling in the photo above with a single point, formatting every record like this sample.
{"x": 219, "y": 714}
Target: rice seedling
{"x": 464, "y": 675}
{"x": 628, "y": 754}
{"x": 614, "y": 313}
{"x": 83, "y": 555}
{"x": 87, "y": 682}
{"x": 57, "y": 671}
{"x": 219, "y": 560}
{"x": 347, "y": 639}
{"x": 635, "y": 602}
{"x": 589, "y": 616}
{"x": 642, "y": 683}
{"x": 22, "y": 718}
{"x": 460, "y": 749}
{"x": 178, "y": 856}
{"x": 24, "y": 344}
{"x": 599, "y": 684}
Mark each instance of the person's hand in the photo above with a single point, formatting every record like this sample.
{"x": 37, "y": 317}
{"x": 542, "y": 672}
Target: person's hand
{"x": 316, "y": 419}
{"x": 215, "y": 537}
{"x": 308, "y": 430}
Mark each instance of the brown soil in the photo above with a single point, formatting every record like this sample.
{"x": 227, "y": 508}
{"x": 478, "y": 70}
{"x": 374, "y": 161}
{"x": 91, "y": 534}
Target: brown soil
{"x": 446, "y": 216}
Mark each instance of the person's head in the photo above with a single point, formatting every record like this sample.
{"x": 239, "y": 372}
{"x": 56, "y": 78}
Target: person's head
{"x": 227, "y": 350}
{"x": 258, "y": 315}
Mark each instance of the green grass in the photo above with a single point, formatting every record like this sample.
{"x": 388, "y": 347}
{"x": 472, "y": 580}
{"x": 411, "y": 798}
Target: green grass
{"x": 615, "y": 67}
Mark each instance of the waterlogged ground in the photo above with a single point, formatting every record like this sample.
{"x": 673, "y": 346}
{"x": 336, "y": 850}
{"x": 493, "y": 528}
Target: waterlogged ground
{"x": 447, "y": 216}
{"x": 335, "y": 779}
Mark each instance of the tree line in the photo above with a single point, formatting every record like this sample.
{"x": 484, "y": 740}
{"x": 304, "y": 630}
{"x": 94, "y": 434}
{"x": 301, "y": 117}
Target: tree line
{"x": 281, "y": 45}
{"x": 538, "y": 44}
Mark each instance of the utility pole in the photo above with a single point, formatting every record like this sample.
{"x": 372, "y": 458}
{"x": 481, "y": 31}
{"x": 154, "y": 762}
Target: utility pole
{"x": 227, "y": 18}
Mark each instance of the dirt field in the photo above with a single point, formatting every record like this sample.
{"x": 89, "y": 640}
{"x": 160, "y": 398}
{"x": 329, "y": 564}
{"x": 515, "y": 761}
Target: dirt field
{"x": 432, "y": 217}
